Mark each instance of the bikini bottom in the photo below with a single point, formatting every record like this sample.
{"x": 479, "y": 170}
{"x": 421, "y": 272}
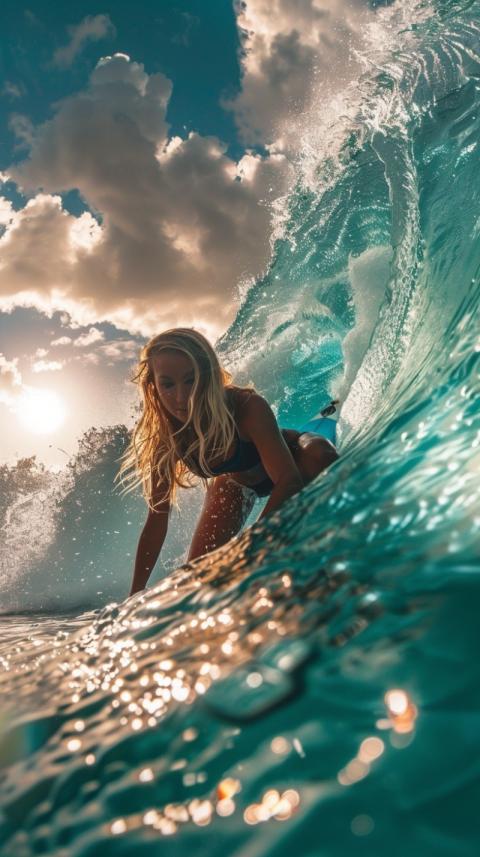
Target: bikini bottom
{"x": 265, "y": 487}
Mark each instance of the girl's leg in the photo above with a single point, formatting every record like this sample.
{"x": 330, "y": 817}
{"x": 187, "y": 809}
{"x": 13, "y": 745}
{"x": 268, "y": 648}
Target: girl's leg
{"x": 225, "y": 510}
{"x": 311, "y": 452}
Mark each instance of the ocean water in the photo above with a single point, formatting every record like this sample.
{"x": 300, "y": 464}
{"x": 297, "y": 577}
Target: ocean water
{"x": 314, "y": 685}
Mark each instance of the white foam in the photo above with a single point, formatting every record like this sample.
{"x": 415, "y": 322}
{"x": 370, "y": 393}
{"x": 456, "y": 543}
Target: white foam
{"x": 369, "y": 274}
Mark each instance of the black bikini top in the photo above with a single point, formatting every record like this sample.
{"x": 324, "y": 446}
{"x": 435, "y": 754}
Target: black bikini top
{"x": 245, "y": 457}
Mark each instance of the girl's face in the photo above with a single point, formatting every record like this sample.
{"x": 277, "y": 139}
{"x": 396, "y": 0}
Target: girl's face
{"x": 174, "y": 380}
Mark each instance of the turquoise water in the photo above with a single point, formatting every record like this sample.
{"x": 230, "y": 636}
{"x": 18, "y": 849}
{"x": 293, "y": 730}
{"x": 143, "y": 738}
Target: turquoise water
{"x": 314, "y": 684}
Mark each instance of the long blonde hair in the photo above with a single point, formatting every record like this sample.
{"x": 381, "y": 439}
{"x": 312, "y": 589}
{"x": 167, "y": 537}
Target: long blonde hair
{"x": 154, "y": 450}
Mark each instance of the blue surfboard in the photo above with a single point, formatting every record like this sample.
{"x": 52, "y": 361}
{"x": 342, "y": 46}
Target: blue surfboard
{"x": 324, "y": 426}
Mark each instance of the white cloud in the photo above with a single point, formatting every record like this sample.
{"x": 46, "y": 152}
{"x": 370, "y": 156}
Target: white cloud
{"x": 11, "y": 90}
{"x": 113, "y": 352}
{"x": 47, "y": 365}
{"x": 63, "y": 340}
{"x": 66, "y": 320}
{"x": 91, "y": 29}
{"x": 93, "y": 335}
{"x": 90, "y": 357}
{"x": 181, "y": 223}
{"x": 41, "y": 352}
{"x": 120, "y": 349}
{"x": 35, "y": 253}
{"x": 294, "y": 51}
{"x": 10, "y": 381}
{"x": 23, "y": 129}
{"x": 6, "y": 211}
{"x": 85, "y": 231}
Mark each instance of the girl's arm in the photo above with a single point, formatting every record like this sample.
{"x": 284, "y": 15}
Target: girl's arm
{"x": 258, "y": 421}
{"x": 150, "y": 544}
{"x": 151, "y": 539}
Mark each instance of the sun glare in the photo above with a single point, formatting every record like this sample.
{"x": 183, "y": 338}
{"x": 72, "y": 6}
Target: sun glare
{"x": 41, "y": 411}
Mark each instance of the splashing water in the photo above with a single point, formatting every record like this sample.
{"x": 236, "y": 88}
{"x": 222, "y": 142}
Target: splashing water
{"x": 312, "y": 685}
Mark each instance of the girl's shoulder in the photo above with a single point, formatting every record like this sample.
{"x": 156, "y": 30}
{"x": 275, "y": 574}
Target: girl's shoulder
{"x": 250, "y": 411}
{"x": 238, "y": 397}
{"x": 248, "y": 408}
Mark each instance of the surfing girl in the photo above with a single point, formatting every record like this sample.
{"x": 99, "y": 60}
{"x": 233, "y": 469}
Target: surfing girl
{"x": 197, "y": 424}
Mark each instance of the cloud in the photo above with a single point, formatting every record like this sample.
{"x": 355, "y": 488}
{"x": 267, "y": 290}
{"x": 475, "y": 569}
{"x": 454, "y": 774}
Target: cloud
{"x": 126, "y": 349}
{"x": 11, "y": 90}
{"x": 35, "y": 250}
{"x": 41, "y": 352}
{"x": 91, "y": 29}
{"x": 293, "y": 53}
{"x": 113, "y": 352}
{"x": 23, "y": 129}
{"x": 93, "y": 335}
{"x": 181, "y": 222}
{"x": 47, "y": 365}
{"x": 33, "y": 20}
{"x": 10, "y": 381}
{"x": 7, "y": 214}
{"x": 190, "y": 23}
{"x": 63, "y": 340}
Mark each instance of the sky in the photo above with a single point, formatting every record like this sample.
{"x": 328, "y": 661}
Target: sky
{"x": 141, "y": 152}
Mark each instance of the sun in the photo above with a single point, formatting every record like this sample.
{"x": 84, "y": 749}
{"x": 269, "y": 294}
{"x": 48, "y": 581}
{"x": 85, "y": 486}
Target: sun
{"x": 41, "y": 411}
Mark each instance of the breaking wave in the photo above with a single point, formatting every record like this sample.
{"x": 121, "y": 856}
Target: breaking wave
{"x": 314, "y": 683}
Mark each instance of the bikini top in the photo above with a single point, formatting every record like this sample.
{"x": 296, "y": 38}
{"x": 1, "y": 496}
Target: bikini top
{"x": 245, "y": 457}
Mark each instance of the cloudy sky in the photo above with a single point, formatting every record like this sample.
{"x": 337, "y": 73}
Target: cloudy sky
{"x": 140, "y": 153}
